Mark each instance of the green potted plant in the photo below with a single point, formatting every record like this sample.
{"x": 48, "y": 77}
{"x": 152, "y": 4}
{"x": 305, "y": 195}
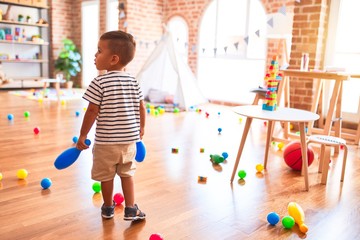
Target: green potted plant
{"x": 69, "y": 60}
{"x": 20, "y": 17}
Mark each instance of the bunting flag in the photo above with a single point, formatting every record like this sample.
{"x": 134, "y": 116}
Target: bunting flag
{"x": 215, "y": 50}
{"x": 270, "y": 22}
{"x": 193, "y": 48}
{"x": 177, "y": 39}
{"x": 236, "y": 45}
{"x": 225, "y": 49}
{"x": 282, "y": 10}
{"x": 203, "y": 50}
{"x": 257, "y": 33}
{"x": 246, "y": 39}
{"x": 146, "y": 44}
{"x": 121, "y": 15}
{"x": 141, "y": 43}
{"x": 125, "y": 24}
{"x": 186, "y": 45}
{"x": 156, "y": 42}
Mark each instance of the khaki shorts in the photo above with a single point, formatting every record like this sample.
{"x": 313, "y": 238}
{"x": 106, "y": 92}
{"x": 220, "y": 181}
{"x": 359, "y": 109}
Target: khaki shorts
{"x": 111, "y": 159}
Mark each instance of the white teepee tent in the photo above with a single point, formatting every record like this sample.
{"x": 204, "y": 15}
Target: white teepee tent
{"x": 166, "y": 71}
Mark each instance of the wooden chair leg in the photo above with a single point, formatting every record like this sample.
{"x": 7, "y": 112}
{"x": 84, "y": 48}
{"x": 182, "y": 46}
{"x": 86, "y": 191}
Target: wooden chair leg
{"x": 321, "y": 158}
{"x": 344, "y": 163}
{"x": 325, "y": 165}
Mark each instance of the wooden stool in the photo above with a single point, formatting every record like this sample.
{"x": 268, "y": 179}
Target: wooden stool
{"x": 326, "y": 143}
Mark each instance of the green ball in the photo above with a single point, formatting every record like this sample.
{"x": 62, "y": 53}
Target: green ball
{"x": 96, "y": 187}
{"x": 288, "y": 222}
{"x": 26, "y": 114}
{"x": 242, "y": 174}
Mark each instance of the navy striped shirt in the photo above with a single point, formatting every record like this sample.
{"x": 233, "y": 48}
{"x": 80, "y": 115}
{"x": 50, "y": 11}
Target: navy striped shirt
{"x": 118, "y": 96}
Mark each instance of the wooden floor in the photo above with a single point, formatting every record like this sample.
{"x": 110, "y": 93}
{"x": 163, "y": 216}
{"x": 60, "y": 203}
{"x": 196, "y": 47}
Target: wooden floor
{"x": 177, "y": 206}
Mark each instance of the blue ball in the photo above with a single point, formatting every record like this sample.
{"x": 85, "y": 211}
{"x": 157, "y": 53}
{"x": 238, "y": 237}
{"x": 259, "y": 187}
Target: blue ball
{"x": 273, "y": 218}
{"x": 10, "y": 117}
{"x": 45, "y": 183}
{"x": 225, "y": 155}
{"x": 77, "y": 113}
{"x": 75, "y": 139}
{"x": 219, "y": 130}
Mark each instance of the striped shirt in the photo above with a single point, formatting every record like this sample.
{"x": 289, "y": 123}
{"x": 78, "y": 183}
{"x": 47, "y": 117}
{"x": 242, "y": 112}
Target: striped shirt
{"x": 118, "y": 96}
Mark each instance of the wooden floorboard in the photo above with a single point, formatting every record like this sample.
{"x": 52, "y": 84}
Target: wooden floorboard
{"x": 177, "y": 206}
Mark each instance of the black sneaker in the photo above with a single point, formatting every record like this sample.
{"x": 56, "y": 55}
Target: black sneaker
{"x": 133, "y": 214}
{"x": 107, "y": 212}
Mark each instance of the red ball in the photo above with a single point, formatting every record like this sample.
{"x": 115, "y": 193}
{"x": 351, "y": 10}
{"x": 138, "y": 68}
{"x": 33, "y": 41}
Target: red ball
{"x": 293, "y": 158}
{"x": 118, "y": 198}
{"x": 37, "y": 130}
{"x": 156, "y": 236}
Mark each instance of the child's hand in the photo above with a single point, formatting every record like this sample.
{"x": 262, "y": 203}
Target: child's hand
{"x": 81, "y": 143}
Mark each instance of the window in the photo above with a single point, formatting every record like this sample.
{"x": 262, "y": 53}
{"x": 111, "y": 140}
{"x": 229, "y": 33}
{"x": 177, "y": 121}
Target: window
{"x": 343, "y": 50}
{"x": 112, "y": 15}
{"x": 90, "y": 37}
{"x": 232, "y": 50}
{"x": 179, "y": 31}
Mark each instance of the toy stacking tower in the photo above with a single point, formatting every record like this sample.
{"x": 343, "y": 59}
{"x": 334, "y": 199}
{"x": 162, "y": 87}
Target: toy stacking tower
{"x": 272, "y": 79}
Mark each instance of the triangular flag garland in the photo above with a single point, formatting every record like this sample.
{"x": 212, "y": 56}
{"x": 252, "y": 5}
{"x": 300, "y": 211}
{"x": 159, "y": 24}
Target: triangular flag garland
{"x": 282, "y": 10}
{"x": 246, "y": 39}
{"x": 121, "y": 15}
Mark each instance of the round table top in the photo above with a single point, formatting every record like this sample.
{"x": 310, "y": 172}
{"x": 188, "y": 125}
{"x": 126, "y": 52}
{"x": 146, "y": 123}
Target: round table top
{"x": 281, "y": 114}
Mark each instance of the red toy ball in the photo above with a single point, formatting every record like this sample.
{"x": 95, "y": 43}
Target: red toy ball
{"x": 36, "y": 130}
{"x": 293, "y": 158}
{"x": 118, "y": 198}
{"x": 156, "y": 236}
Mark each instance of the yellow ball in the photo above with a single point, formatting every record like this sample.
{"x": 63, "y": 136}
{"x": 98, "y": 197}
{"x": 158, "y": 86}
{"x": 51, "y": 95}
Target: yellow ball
{"x": 291, "y": 126}
{"x": 280, "y": 145}
{"x": 1, "y": 176}
{"x": 22, "y": 173}
{"x": 259, "y": 167}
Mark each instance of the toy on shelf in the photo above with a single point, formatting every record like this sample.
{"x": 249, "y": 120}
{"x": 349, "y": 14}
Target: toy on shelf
{"x": 272, "y": 79}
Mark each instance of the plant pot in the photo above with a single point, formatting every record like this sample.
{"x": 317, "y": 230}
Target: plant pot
{"x": 69, "y": 84}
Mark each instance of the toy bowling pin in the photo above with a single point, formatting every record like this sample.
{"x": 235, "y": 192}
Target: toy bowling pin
{"x": 297, "y": 213}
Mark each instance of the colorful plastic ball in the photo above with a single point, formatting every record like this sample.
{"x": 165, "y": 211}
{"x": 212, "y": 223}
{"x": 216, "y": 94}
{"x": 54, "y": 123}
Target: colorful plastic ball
{"x": 75, "y": 139}
{"x": 118, "y": 198}
{"x": 156, "y": 236}
{"x": 273, "y": 218}
{"x": 259, "y": 167}
{"x": 36, "y": 130}
{"x": 96, "y": 187}
{"x": 77, "y": 113}
{"x": 242, "y": 174}
{"x": 225, "y": 155}
{"x": 293, "y": 155}
{"x": 176, "y": 110}
{"x": 22, "y": 173}
{"x": 280, "y": 145}
{"x": 26, "y": 114}
{"x": 1, "y": 176}
{"x": 10, "y": 117}
{"x": 219, "y": 130}
{"x": 288, "y": 222}
{"x": 45, "y": 183}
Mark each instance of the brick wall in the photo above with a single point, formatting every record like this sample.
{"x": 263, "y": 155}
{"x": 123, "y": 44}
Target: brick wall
{"x": 309, "y": 35}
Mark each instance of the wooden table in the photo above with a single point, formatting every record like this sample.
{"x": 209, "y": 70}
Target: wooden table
{"x": 293, "y": 115}
{"x": 56, "y": 82}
